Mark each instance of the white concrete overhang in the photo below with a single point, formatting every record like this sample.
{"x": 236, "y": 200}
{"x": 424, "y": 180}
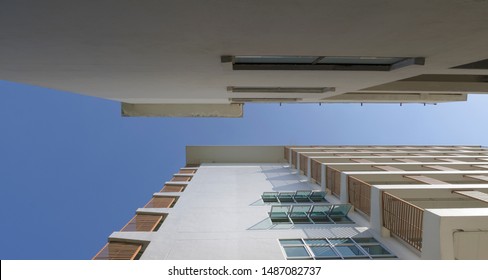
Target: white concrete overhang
{"x": 234, "y": 154}
{"x": 162, "y": 52}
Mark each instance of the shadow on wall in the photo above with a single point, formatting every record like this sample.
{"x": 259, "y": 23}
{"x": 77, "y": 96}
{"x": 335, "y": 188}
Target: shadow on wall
{"x": 284, "y": 178}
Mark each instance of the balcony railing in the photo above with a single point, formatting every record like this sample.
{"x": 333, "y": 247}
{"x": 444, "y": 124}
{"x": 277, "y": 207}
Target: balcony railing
{"x": 316, "y": 172}
{"x": 173, "y": 188}
{"x": 161, "y": 202}
{"x": 359, "y": 195}
{"x": 334, "y": 181}
{"x": 287, "y": 154}
{"x": 294, "y": 158}
{"x": 181, "y": 178}
{"x": 304, "y": 164}
{"x": 119, "y": 251}
{"x": 403, "y": 219}
{"x": 144, "y": 222}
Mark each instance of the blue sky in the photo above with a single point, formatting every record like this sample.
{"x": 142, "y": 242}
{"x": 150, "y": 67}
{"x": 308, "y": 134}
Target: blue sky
{"x": 72, "y": 170}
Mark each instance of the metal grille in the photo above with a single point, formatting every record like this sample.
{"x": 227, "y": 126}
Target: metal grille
{"x": 403, "y": 219}
{"x": 359, "y": 195}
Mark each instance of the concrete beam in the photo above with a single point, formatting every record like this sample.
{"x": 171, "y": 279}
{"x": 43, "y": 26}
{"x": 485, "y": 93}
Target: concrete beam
{"x": 410, "y": 97}
{"x": 182, "y": 110}
{"x": 431, "y": 87}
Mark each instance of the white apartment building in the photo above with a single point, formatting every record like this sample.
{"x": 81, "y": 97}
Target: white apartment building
{"x": 315, "y": 202}
{"x": 203, "y": 58}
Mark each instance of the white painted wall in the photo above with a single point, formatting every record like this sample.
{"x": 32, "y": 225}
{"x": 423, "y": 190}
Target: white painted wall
{"x": 220, "y": 216}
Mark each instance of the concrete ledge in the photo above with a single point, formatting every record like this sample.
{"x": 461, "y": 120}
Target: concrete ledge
{"x": 163, "y": 194}
{"x": 174, "y": 183}
{"x": 154, "y": 210}
{"x": 182, "y": 110}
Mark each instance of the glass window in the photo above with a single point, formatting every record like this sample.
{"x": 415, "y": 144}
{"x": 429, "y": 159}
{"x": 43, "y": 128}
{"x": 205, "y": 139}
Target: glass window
{"x": 335, "y": 248}
{"x": 347, "y": 63}
{"x": 316, "y": 242}
{"x": 359, "y": 60}
{"x": 375, "y": 250}
{"x": 365, "y": 240}
{"x": 272, "y": 59}
{"x": 291, "y": 242}
{"x": 338, "y": 241}
{"x": 349, "y": 251}
{"x": 323, "y": 252}
{"x": 296, "y": 252}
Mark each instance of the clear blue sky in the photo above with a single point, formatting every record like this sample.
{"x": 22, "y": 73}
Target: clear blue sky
{"x": 72, "y": 170}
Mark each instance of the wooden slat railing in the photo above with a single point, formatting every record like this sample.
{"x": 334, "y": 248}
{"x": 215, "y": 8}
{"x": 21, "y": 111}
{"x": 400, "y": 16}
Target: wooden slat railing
{"x": 144, "y": 222}
{"x": 287, "y": 154}
{"x": 173, "y": 188}
{"x": 181, "y": 178}
{"x": 294, "y": 158}
{"x": 187, "y": 171}
{"x": 403, "y": 219}
{"x": 359, "y": 193}
{"x": 303, "y": 164}
{"x": 118, "y": 251}
{"x": 161, "y": 202}
{"x": 316, "y": 171}
{"x": 333, "y": 181}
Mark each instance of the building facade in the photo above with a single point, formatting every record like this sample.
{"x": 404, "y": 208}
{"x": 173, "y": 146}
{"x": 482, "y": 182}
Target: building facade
{"x": 199, "y": 58}
{"x": 315, "y": 202}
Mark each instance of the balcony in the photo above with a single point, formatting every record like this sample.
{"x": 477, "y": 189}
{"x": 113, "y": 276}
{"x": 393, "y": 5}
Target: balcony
{"x": 144, "y": 222}
{"x": 294, "y": 155}
{"x": 119, "y": 251}
{"x": 403, "y": 219}
{"x": 161, "y": 202}
{"x": 316, "y": 172}
{"x": 181, "y": 178}
{"x": 333, "y": 181}
{"x": 413, "y": 215}
{"x": 359, "y": 195}
{"x": 173, "y": 188}
{"x": 303, "y": 163}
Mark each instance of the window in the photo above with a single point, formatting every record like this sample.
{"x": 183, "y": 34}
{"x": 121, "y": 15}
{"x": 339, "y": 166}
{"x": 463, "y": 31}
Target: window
{"x": 299, "y": 196}
{"x": 280, "y": 89}
{"x": 336, "y": 63}
{"x": 334, "y": 248}
{"x": 311, "y": 214}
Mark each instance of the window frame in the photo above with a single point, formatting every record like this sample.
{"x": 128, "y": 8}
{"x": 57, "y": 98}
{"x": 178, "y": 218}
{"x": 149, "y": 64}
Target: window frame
{"x": 315, "y": 63}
